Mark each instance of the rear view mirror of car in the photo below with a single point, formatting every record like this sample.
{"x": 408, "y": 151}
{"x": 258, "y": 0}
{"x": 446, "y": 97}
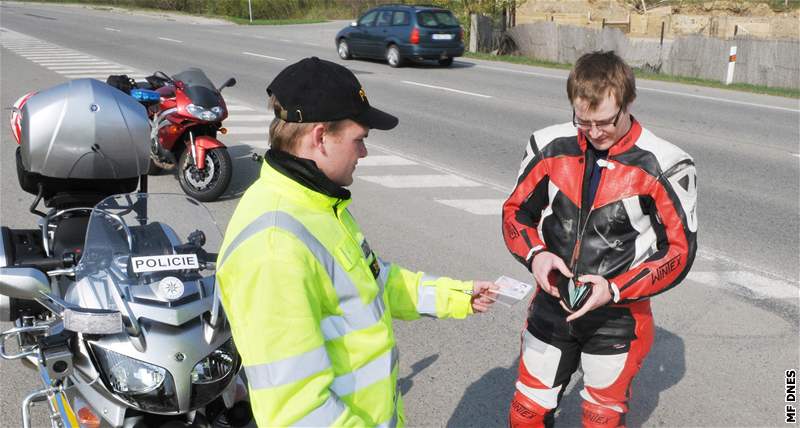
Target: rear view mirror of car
{"x": 354, "y": 24}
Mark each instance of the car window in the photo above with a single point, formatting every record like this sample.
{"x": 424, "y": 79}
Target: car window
{"x": 436, "y": 18}
{"x": 369, "y": 19}
{"x": 385, "y": 18}
{"x": 400, "y": 18}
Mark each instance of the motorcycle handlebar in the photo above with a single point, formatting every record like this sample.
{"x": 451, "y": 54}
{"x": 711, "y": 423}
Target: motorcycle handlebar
{"x": 47, "y": 263}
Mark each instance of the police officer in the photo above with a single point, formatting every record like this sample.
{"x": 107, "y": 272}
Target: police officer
{"x": 310, "y": 304}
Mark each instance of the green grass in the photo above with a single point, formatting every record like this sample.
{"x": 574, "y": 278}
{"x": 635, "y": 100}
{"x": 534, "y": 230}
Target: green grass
{"x": 642, "y": 74}
{"x": 245, "y": 21}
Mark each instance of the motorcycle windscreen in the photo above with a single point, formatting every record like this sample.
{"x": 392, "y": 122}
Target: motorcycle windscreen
{"x": 150, "y": 248}
{"x": 198, "y": 88}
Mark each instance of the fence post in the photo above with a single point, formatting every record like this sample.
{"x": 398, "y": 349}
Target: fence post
{"x": 731, "y": 64}
{"x": 473, "y": 32}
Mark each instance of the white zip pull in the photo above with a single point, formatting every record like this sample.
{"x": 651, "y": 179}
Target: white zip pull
{"x": 602, "y": 163}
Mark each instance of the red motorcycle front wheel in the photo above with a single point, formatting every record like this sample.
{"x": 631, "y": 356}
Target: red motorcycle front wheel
{"x": 209, "y": 183}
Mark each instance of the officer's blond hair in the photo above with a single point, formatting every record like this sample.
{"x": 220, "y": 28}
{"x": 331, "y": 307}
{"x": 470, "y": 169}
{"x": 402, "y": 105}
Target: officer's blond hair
{"x": 285, "y": 136}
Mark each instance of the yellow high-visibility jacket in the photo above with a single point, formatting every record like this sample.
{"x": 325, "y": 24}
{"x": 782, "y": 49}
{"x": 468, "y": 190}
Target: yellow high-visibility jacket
{"x": 311, "y": 308}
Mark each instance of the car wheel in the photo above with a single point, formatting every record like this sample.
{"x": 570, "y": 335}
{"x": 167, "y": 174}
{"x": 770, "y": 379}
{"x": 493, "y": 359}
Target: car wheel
{"x": 344, "y": 49}
{"x": 446, "y": 62}
{"x": 393, "y": 56}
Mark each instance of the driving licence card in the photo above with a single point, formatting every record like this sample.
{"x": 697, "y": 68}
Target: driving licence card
{"x": 511, "y": 291}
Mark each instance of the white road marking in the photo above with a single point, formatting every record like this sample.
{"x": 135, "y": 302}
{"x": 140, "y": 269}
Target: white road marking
{"x": 86, "y": 67}
{"x": 797, "y": 155}
{"x": 505, "y": 190}
{"x": 286, "y": 40}
{"x": 170, "y": 40}
{"x": 112, "y": 29}
{"x": 419, "y": 181}
{"x": 475, "y": 206}
{"x": 249, "y": 118}
{"x": 76, "y": 63}
{"x": 264, "y": 56}
{"x": 704, "y": 97}
{"x": 446, "y": 89}
{"x": 310, "y": 44}
{"x": 235, "y": 107}
{"x": 258, "y": 144}
{"x": 99, "y": 76}
{"x": 529, "y": 73}
{"x": 645, "y": 88}
{"x": 385, "y": 160}
{"x": 57, "y": 56}
{"x": 747, "y": 283}
{"x": 238, "y": 130}
{"x": 38, "y": 50}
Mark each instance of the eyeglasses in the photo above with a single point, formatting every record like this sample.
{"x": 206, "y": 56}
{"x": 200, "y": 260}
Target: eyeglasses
{"x": 600, "y": 124}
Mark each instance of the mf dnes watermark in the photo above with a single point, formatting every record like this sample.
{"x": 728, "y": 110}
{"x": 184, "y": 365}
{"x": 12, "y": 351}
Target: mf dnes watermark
{"x": 791, "y": 396}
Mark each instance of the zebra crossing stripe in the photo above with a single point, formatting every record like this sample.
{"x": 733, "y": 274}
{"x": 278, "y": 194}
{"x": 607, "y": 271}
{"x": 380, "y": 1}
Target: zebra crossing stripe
{"x": 256, "y": 144}
{"x": 99, "y": 76}
{"x": 419, "y": 181}
{"x": 87, "y": 67}
{"x": 385, "y": 160}
{"x": 238, "y": 130}
{"x": 747, "y": 283}
{"x": 475, "y": 206}
{"x": 79, "y": 61}
{"x": 239, "y": 108}
{"x": 249, "y": 118}
{"x": 60, "y": 55}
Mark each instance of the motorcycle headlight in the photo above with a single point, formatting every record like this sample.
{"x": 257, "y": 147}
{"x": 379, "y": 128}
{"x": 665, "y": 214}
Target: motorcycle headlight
{"x": 203, "y": 113}
{"x": 139, "y": 384}
{"x": 213, "y": 374}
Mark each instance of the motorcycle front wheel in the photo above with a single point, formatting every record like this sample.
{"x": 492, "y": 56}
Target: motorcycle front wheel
{"x": 205, "y": 185}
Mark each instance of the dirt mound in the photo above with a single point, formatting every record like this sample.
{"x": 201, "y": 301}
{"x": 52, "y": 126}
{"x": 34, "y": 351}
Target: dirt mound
{"x": 724, "y": 8}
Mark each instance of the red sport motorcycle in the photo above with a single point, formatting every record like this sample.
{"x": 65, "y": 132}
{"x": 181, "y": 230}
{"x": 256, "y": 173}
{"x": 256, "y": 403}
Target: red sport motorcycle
{"x": 186, "y": 112}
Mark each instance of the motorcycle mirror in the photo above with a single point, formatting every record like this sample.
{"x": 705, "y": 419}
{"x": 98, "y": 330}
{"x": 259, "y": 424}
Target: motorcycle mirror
{"x": 23, "y": 283}
{"x": 228, "y": 83}
{"x": 93, "y": 321}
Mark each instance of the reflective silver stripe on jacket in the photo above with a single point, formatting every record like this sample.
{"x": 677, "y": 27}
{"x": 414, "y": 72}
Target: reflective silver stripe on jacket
{"x": 288, "y": 370}
{"x": 426, "y": 296}
{"x": 372, "y": 372}
{"x": 355, "y": 315}
{"x": 383, "y": 277}
{"x": 324, "y": 415}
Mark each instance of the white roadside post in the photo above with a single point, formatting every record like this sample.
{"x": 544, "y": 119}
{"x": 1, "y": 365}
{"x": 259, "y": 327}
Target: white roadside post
{"x": 731, "y": 64}
{"x": 250, "y": 9}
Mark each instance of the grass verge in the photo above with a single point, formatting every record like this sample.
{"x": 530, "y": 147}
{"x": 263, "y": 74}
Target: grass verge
{"x": 642, "y": 74}
{"x": 245, "y": 21}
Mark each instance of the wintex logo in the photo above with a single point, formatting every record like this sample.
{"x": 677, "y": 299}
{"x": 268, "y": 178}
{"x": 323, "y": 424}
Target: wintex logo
{"x": 667, "y": 268}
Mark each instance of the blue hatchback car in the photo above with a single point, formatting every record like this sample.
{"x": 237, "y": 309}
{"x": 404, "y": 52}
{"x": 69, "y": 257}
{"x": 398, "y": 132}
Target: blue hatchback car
{"x": 401, "y": 32}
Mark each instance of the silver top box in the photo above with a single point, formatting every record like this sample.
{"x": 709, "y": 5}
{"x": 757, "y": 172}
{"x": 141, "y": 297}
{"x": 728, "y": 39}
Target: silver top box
{"x": 84, "y": 129}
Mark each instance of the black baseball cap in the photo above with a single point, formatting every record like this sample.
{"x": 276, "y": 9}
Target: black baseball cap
{"x": 315, "y": 90}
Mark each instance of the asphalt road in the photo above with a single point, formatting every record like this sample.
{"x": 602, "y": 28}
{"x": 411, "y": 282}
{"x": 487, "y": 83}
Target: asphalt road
{"x": 428, "y": 197}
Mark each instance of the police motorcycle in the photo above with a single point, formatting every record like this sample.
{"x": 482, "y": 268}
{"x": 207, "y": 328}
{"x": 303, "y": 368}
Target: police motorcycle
{"x": 113, "y": 301}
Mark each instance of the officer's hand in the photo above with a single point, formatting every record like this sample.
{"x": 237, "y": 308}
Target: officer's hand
{"x": 541, "y": 266}
{"x": 599, "y": 297}
{"x": 483, "y": 295}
